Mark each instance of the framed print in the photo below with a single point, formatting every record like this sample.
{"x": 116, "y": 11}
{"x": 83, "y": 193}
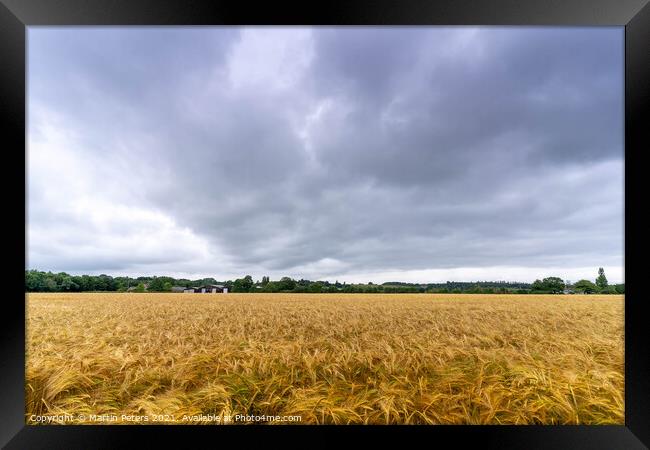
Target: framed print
{"x": 364, "y": 218}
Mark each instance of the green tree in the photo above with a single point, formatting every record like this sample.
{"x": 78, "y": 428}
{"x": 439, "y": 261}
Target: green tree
{"x": 286, "y": 284}
{"x": 271, "y": 286}
{"x": 553, "y": 285}
{"x": 139, "y": 287}
{"x": 537, "y": 285}
{"x": 601, "y": 281}
{"x": 585, "y": 286}
{"x": 243, "y": 284}
{"x": 157, "y": 285}
{"x": 316, "y": 287}
{"x": 68, "y": 285}
{"x": 34, "y": 281}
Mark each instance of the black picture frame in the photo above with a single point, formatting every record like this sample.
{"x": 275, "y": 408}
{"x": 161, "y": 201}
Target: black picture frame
{"x": 634, "y": 15}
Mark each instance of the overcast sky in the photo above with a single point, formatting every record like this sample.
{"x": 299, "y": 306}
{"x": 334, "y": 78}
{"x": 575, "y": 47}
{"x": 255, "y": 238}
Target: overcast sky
{"x": 358, "y": 154}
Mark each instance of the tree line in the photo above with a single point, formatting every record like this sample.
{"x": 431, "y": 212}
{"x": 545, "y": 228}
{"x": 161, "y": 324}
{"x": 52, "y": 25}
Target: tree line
{"x": 39, "y": 281}
{"x": 554, "y": 285}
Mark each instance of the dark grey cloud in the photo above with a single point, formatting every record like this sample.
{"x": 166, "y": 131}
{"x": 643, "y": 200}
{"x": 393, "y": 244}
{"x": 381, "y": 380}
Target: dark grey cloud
{"x": 326, "y": 151}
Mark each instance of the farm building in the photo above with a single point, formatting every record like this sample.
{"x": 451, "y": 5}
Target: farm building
{"x": 178, "y": 289}
{"x": 207, "y": 289}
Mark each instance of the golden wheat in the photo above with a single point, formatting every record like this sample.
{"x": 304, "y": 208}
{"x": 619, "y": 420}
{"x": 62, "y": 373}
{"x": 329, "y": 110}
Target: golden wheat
{"x": 374, "y": 359}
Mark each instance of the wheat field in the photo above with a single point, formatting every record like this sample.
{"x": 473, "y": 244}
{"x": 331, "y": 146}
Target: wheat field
{"x": 325, "y": 358}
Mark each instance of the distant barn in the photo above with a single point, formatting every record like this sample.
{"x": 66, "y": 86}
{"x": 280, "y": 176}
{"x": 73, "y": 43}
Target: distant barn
{"x": 207, "y": 289}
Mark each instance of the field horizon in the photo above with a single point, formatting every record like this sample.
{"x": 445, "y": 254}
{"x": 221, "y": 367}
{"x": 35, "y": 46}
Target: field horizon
{"x": 326, "y": 358}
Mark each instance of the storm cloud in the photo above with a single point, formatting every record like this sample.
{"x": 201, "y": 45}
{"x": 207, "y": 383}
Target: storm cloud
{"x": 359, "y": 154}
